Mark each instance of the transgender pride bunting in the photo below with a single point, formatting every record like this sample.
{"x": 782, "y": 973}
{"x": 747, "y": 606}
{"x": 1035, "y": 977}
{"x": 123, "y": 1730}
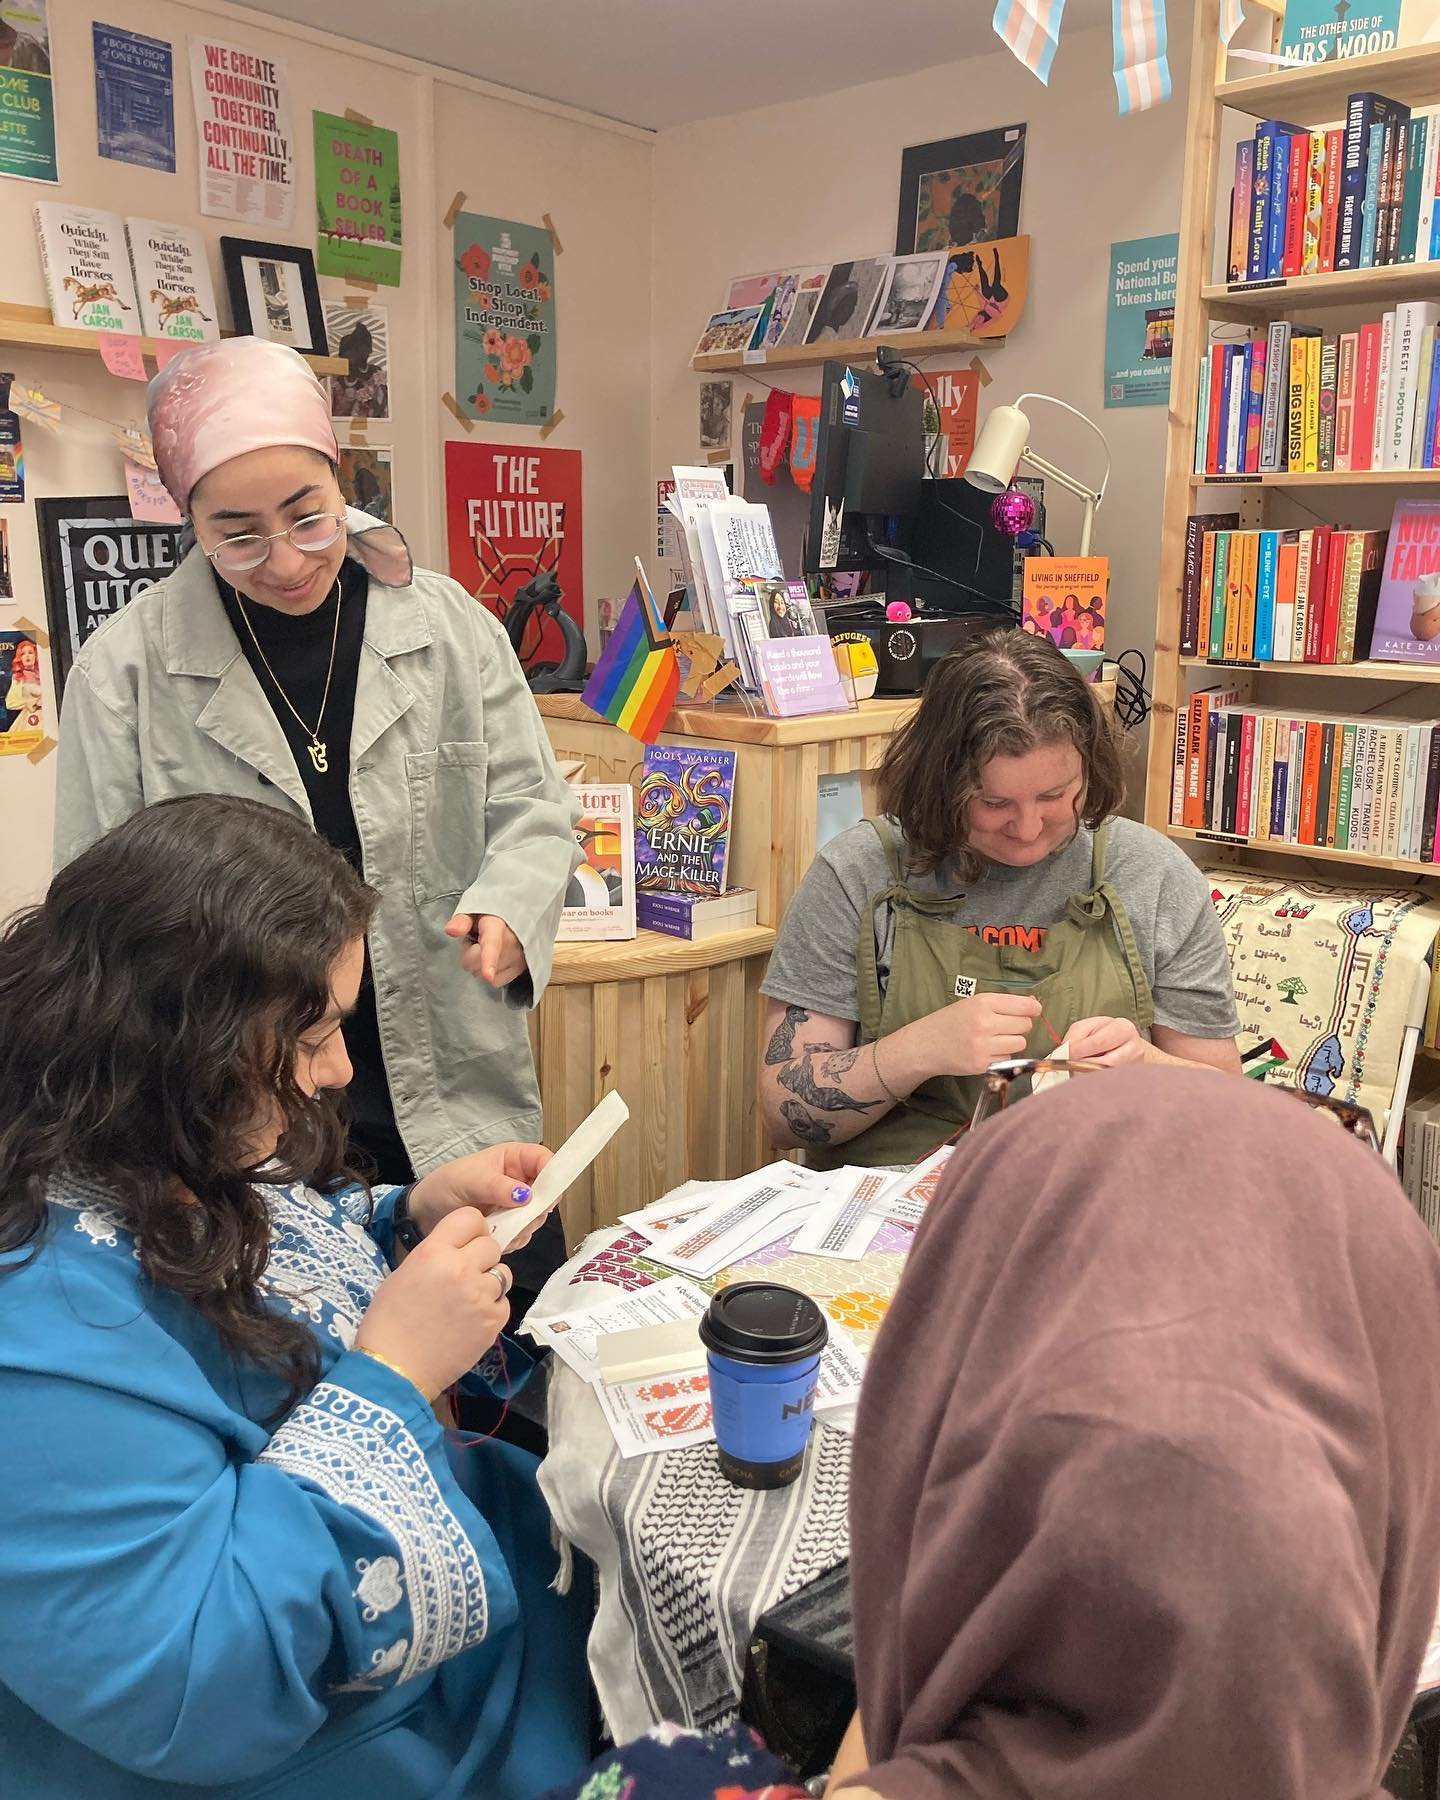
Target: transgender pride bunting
{"x": 1142, "y": 70}
{"x": 1032, "y": 30}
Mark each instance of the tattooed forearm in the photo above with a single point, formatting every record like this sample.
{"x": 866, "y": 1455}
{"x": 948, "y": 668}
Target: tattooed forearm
{"x": 799, "y": 1077}
{"x": 840, "y": 1064}
{"x": 803, "y": 1128}
{"x": 782, "y": 1044}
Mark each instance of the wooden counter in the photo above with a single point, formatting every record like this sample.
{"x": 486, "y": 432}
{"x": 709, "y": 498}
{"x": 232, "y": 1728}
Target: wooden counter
{"x": 674, "y": 1026}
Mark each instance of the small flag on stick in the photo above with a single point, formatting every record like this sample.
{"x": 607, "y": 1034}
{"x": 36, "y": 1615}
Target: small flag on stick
{"x": 638, "y": 675}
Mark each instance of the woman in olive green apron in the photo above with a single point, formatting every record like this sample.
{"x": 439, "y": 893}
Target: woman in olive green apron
{"x": 999, "y": 907}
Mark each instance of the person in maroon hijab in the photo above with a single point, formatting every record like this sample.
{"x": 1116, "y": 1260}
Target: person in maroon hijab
{"x": 1146, "y": 1494}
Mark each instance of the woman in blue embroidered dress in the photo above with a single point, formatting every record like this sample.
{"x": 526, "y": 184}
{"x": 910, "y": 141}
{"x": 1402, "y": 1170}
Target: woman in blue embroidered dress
{"x": 239, "y": 1556}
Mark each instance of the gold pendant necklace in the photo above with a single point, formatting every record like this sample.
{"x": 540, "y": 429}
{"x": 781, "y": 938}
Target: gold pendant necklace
{"x": 318, "y": 749}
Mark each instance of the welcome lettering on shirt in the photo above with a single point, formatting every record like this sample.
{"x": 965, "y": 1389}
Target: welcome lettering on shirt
{"x": 1020, "y": 937}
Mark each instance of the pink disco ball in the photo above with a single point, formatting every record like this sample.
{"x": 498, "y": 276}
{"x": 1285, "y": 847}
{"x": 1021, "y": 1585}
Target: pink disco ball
{"x": 1012, "y": 512}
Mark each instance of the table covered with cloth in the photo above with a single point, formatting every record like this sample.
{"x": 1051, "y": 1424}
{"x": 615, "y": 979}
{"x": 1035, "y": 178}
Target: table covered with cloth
{"x": 686, "y": 1562}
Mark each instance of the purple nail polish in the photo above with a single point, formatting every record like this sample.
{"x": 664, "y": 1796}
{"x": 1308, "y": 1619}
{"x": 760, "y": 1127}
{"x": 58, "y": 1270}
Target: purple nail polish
{"x": 519, "y": 1195}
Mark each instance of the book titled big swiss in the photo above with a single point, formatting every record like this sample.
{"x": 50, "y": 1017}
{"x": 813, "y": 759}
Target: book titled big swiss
{"x": 682, "y": 820}
{"x": 1407, "y": 625}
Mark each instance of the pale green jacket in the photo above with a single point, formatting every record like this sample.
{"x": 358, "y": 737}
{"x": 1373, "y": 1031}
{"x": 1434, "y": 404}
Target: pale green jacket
{"x": 458, "y": 801}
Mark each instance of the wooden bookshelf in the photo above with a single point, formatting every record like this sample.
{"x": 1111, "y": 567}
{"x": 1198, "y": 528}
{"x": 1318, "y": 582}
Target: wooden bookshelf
{"x": 912, "y": 344}
{"x": 32, "y": 328}
{"x": 1311, "y": 95}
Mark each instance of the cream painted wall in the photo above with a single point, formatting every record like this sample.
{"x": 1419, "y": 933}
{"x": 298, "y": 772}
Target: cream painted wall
{"x": 513, "y": 157}
{"x": 816, "y": 181}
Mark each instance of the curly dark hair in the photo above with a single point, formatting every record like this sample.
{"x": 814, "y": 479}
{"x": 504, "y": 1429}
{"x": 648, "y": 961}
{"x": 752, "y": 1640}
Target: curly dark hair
{"x": 999, "y": 695}
{"x": 150, "y": 1010}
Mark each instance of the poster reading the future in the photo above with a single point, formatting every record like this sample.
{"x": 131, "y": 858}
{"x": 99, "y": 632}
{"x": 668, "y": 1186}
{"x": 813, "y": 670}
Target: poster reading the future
{"x": 1140, "y": 321}
{"x": 242, "y": 123}
{"x": 504, "y": 320}
{"x": 512, "y": 512}
{"x": 357, "y": 200}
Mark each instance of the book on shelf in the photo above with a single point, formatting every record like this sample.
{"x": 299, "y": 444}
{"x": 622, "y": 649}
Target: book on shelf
{"x": 682, "y": 821}
{"x": 1420, "y": 1156}
{"x": 1307, "y": 595}
{"x": 1362, "y": 785}
{"x": 600, "y": 899}
{"x": 172, "y": 281}
{"x": 1294, "y": 400}
{"x": 87, "y": 268}
{"x": 1407, "y": 614}
{"x": 1357, "y": 196}
{"x": 697, "y": 916}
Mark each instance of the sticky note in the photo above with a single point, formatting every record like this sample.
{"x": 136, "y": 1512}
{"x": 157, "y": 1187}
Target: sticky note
{"x": 121, "y": 355}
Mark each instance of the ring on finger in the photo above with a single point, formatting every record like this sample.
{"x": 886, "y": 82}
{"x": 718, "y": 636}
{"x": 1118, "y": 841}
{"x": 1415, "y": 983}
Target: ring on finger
{"x": 504, "y": 1277}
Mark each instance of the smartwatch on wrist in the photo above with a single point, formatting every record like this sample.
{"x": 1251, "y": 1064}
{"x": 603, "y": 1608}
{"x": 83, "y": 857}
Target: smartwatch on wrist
{"x": 407, "y": 1233}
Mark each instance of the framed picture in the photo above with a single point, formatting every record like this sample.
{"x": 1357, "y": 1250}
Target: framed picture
{"x": 95, "y": 558}
{"x": 366, "y": 480}
{"x": 361, "y": 334}
{"x": 963, "y": 190}
{"x": 274, "y": 293}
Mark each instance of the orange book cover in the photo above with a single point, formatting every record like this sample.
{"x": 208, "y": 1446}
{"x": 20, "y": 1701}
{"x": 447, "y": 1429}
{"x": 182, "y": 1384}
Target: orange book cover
{"x": 1063, "y": 598}
{"x": 1232, "y": 593}
{"x": 1310, "y": 782}
{"x": 1207, "y": 586}
{"x": 1249, "y": 576}
{"x": 1287, "y": 572}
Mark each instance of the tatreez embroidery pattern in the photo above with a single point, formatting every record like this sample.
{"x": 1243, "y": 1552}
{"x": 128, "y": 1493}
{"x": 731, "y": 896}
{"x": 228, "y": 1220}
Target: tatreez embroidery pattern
{"x": 361, "y": 1454}
{"x": 323, "y": 1262}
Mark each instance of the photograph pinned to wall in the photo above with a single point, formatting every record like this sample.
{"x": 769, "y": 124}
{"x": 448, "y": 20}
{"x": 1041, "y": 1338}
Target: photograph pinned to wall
{"x": 717, "y": 399}
{"x": 728, "y": 333}
{"x": 274, "y": 293}
{"x": 134, "y": 98}
{"x": 908, "y": 296}
{"x": 7, "y": 579}
{"x": 244, "y": 144}
{"x": 12, "y": 450}
{"x": 27, "y": 92}
{"x": 505, "y": 342}
{"x": 984, "y": 289}
{"x": 847, "y": 303}
{"x": 1140, "y": 320}
{"x": 22, "y": 693}
{"x": 361, "y": 334}
{"x": 366, "y": 480}
{"x": 963, "y": 190}
{"x": 357, "y": 200}
{"x": 512, "y": 512}
{"x": 95, "y": 558}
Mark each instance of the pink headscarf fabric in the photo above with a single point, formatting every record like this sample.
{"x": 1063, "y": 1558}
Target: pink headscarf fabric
{"x": 222, "y": 399}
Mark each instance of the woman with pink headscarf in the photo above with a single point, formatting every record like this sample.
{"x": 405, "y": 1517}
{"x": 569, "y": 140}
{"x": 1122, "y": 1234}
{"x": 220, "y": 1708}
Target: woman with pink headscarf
{"x": 297, "y": 657}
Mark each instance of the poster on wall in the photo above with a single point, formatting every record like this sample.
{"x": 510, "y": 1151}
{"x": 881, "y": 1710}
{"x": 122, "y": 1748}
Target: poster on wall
{"x": 12, "y": 450}
{"x": 366, "y": 481}
{"x": 243, "y": 138}
{"x": 963, "y": 190}
{"x": 1140, "y": 321}
{"x": 22, "y": 695}
{"x": 27, "y": 92}
{"x": 357, "y": 200}
{"x": 504, "y": 320}
{"x": 95, "y": 557}
{"x": 361, "y": 334}
{"x": 134, "y": 98}
{"x": 512, "y": 512}
{"x": 789, "y": 505}
{"x": 957, "y": 394}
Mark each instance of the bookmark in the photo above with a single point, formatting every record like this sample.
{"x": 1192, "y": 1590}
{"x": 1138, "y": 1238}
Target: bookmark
{"x": 565, "y": 1168}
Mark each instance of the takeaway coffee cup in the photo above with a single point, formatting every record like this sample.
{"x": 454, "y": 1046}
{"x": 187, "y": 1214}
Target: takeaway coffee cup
{"x": 763, "y": 1343}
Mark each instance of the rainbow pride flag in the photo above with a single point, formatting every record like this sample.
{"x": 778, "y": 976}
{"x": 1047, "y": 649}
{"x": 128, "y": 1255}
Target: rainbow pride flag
{"x": 635, "y": 682}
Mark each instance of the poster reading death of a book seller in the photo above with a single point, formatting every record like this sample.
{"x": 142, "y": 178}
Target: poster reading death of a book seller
{"x": 357, "y": 199}
{"x": 27, "y": 92}
{"x": 1140, "y": 321}
{"x": 504, "y": 320}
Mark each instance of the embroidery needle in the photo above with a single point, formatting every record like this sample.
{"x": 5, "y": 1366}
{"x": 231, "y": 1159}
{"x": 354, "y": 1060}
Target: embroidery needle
{"x": 1027, "y": 987}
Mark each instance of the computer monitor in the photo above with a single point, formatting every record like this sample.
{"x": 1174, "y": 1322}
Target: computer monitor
{"x": 873, "y": 509}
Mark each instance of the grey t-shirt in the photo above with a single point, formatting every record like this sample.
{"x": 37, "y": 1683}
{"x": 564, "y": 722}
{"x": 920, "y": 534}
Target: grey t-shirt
{"x": 1181, "y": 944}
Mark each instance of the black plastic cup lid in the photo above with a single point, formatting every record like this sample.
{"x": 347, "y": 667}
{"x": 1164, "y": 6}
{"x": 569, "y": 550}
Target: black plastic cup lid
{"x": 762, "y": 1322}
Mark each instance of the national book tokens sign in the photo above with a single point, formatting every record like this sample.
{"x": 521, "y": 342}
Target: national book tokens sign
{"x": 357, "y": 200}
{"x": 504, "y": 320}
{"x": 512, "y": 512}
{"x": 1140, "y": 321}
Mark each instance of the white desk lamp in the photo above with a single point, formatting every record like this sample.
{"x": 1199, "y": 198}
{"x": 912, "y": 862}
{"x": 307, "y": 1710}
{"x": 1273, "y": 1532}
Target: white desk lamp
{"x": 1004, "y": 443}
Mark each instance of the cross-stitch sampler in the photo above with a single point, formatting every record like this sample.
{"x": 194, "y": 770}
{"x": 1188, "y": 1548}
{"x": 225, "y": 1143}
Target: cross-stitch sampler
{"x": 1323, "y": 979}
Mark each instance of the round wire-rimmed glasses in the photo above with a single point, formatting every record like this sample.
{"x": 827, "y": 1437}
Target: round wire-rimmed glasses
{"x": 315, "y": 533}
{"x": 1000, "y": 1077}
